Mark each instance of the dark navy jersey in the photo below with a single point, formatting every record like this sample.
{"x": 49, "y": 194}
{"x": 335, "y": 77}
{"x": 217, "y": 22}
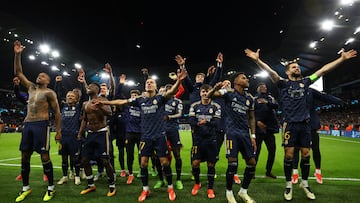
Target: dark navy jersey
{"x": 70, "y": 119}
{"x": 152, "y": 112}
{"x": 173, "y": 109}
{"x": 265, "y": 112}
{"x": 237, "y": 107}
{"x": 221, "y": 102}
{"x": 194, "y": 88}
{"x": 133, "y": 119}
{"x": 212, "y": 113}
{"x": 293, "y": 99}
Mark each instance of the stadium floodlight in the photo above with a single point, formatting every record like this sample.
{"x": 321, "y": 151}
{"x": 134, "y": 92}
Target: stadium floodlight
{"x": 130, "y": 83}
{"x": 44, "y": 63}
{"x": 154, "y": 77}
{"x": 32, "y": 57}
{"x": 349, "y": 41}
{"x": 262, "y": 74}
{"x": 54, "y": 68}
{"x": 44, "y": 48}
{"x": 55, "y": 54}
{"x": 65, "y": 73}
{"x": 357, "y": 30}
{"x": 77, "y": 65}
{"x": 104, "y": 75}
{"x": 327, "y": 25}
{"x": 313, "y": 44}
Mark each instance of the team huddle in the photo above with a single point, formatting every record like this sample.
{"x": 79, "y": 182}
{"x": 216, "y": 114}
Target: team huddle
{"x": 87, "y": 120}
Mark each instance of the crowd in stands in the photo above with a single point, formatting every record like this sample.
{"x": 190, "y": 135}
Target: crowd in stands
{"x": 332, "y": 117}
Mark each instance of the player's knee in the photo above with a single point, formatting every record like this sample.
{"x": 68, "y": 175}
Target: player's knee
{"x": 232, "y": 167}
{"x": 251, "y": 162}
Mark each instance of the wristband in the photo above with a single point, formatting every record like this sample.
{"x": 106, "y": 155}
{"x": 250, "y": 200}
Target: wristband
{"x": 253, "y": 136}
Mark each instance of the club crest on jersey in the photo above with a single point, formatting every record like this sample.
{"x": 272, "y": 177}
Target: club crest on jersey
{"x": 155, "y": 102}
{"x": 211, "y": 110}
{"x": 301, "y": 85}
{"x": 173, "y": 104}
{"x": 247, "y": 102}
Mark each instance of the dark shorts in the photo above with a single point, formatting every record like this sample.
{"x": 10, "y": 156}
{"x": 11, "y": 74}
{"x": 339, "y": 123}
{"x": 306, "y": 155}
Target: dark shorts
{"x": 297, "y": 134}
{"x": 132, "y": 138}
{"x": 173, "y": 137}
{"x": 97, "y": 144}
{"x": 239, "y": 142}
{"x": 69, "y": 145}
{"x": 204, "y": 152}
{"x": 35, "y": 136}
{"x": 149, "y": 146}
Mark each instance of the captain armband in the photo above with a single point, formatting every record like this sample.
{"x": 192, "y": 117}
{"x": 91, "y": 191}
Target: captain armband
{"x": 313, "y": 77}
{"x": 223, "y": 91}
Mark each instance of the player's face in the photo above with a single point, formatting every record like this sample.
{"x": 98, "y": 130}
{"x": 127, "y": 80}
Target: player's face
{"x": 92, "y": 88}
{"x": 103, "y": 90}
{"x": 199, "y": 78}
{"x": 226, "y": 84}
{"x": 203, "y": 93}
{"x": 293, "y": 70}
{"x": 242, "y": 81}
{"x": 262, "y": 89}
{"x": 43, "y": 79}
{"x": 150, "y": 85}
{"x": 71, "y": 98}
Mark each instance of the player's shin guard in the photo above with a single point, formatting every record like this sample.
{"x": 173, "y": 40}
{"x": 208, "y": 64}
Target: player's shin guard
{"x": 211, "y": 174}
{"x": 288, "y": 165}
{"x": 144, "y": 176}
{"x": 196, "y": 174}
{"x": 231, "y": 170}
{"x": 65, "y": 167}
{"x": 305, "y": 167}
{"x": 25, "y": 171}
{"x": 48, "y": 170}
{"x": 168, "y": 174}
{"x": 248, "y": 175}
{"x": 178, "y": 166}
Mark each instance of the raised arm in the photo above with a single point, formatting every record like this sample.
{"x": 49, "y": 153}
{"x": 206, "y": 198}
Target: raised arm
{"x": 18, "y": 49}
{"x": 187, "y": 82}
{"x": 332, "y": 65}
{"x": 181, "y": 76}
{"x": 255, "y": 56}
{"x": 214, "y": 92}
{"x": 108, "y": 70}
{"x": 119, "y": 90}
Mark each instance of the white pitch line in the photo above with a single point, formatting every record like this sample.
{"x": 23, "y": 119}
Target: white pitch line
{"x": 19, "y": 157}
{"x": 189, "y": 174}
{"x": 328, "y": 138}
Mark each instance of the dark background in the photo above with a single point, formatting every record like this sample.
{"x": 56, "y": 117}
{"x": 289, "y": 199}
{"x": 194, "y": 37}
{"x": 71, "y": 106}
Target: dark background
{"x": 104, "y": 31}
